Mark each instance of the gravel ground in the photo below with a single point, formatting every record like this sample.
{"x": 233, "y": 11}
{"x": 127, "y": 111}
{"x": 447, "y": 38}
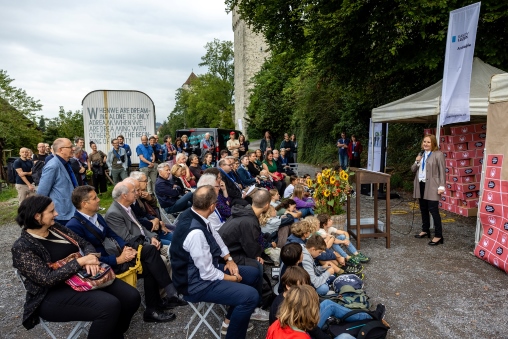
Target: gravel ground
{"x": 429, "y": 292}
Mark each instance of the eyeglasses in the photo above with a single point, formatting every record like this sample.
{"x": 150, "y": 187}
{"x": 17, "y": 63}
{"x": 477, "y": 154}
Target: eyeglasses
{"x": 66, "y": 147}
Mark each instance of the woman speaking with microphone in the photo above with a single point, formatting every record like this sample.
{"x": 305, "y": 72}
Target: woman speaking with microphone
{"x": 429, "y": 184}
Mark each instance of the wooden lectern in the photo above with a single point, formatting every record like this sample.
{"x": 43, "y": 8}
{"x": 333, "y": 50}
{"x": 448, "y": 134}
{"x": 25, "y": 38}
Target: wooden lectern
{"x": 369, "y": 228}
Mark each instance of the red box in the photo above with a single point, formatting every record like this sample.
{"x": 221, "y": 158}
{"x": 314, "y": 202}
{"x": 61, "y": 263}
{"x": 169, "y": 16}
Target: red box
{"x": 428, "y": 131}
{"x": 446, "y": 154}
{"x": 491, "y": 220}
{"x": 467, "y": 212}
{"x": 457, "y": 139}
{"x": 449, "y": 207}
{"x": 466, "y": 195}
{"x": 480, "y": 128}
{"x": 502, "y": 238}
{"x": 493, "y": 172}
{"x": 476, "y": 144}
{"x": 492, "y": 197}
{"x": 479, "y": 136}
{"x": 448, "y": 193}
{"x": 504, "y": 199}
{"x": 469, "y": 203}
{"x": 458, "y": 130}
{"x": 451, "y": 186}
{"x": 491, "y": 231}
{"x": 500, "y": 252}
{"x": 454, "y": 147}
{"x": 491, "y": 209}
{"x": 477, "y": 162}
{"x": 454, "y": 201}
{"x": 444, "y": 198}
{"x": 478, "y": 153}
{"x": 443, "y": 138}
{"x": 492, "y": 185}
{"x": 463, "y": 171}
{"x": 458, "y": 162}
{"x": 482, "y": 251}
{"x": 463, "y": 154}
{"x": 495, "y": 160}
{"x": 469, "y": 187}
{"x": 464, "y": 179}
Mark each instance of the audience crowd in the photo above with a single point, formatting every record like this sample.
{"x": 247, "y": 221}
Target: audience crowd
{"x": 232, "y": 217}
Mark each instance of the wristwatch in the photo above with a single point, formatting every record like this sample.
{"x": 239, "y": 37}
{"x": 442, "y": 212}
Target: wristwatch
{"x": 230, "y": 258}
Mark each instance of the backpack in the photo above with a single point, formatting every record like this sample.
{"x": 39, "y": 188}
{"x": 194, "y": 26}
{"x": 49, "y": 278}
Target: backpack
{"x": 11, "y": 173}
{"x": 37, "y": 171}
{"x": 347, "y": 279}
{"x": 362, "y": 329}
{"x": 353, "y": 298}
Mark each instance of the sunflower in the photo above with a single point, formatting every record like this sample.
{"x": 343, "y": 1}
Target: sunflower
{"x": 332, "y": 180}
{"x": 344, "y": 176}
{"x": 309, "y": 182}
{"x": 326, "y": 193}
{"x": 326, "y": 173}
{"x": 319, "y": 180}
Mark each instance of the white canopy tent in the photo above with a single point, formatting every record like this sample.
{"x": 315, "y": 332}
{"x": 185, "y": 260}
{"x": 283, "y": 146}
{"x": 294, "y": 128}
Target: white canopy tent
{"x": 499, "y": 88}
{"x": 424, "y": 106}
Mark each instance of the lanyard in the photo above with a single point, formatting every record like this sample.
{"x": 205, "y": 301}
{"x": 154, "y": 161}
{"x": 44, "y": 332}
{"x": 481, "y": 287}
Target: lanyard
{"x": 423, "y": 160}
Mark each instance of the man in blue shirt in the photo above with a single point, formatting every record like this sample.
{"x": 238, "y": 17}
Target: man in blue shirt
{"x": 343, "y": 144}
{"x": 147, "y": 163}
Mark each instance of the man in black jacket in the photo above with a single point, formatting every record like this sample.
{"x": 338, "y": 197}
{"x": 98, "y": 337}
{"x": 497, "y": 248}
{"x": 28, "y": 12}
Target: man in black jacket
{"x": 233, "y": 186}
{"x": 242, "y": 231}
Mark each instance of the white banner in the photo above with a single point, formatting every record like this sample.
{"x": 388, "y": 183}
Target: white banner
{"x": 458, "y": 65}
{"x": 375, "y": 139}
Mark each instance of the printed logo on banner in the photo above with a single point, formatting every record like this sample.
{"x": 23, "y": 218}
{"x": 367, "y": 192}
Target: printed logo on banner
{"x": 493, "y": 172}
{"x": 506, "y": 226}
{"x": 494, "y": 160}
{"x": 496, "y": 262}
{"x": 504, "y": 238}
{"x": 499, "y": 250}
{"x": 490, "y": 231}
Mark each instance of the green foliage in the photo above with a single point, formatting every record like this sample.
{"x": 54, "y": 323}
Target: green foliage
{"x": 67, "y": 125}
{"x": 17, "y": 97}
{"x": 208, "y": 101}
{"x": 332, "y": 62}
{"x": 17, "y": 127}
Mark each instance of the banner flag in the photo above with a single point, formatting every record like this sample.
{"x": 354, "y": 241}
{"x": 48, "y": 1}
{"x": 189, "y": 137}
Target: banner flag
{"x": 458, "y": 66}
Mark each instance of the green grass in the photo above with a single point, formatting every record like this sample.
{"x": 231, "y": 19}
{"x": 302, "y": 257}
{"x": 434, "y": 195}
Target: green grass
{"x": 9, "y": 203}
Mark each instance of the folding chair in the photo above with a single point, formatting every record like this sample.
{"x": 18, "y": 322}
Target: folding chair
{"x": 79, "y": 328}
{"x": 294, "y": 167}
{"x": 202, "y": 310}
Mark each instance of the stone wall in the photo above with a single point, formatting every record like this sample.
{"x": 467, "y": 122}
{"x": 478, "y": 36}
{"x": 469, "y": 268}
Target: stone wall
{"x": 250, "y": 51}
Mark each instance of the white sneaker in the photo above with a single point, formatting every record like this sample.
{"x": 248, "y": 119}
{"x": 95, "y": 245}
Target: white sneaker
{"x": 259, "y": 315}
{"x": 224, "y": 329}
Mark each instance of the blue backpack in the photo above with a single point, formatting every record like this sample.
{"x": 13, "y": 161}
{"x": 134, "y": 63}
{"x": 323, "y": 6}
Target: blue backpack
{"x": 347, "y": 279}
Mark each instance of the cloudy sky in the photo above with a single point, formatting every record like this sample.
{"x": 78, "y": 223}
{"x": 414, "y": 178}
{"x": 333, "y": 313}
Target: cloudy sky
{"x": 58, "y": 51}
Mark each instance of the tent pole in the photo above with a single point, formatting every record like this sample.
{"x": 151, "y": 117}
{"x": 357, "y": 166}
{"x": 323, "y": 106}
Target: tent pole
{"x": 438, "y": 129}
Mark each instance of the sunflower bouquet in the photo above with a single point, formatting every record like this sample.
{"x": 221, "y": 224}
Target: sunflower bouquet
{"x": 331, "y": 189}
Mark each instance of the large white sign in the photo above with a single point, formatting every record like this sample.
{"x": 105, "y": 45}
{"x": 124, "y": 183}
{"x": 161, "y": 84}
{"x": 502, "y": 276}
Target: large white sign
{"x": 458, "y": 65}
{"x": 108, "y": 114}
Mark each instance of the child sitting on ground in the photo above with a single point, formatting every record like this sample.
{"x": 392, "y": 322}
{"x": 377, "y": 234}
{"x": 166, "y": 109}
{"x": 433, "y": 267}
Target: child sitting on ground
{"x": 301, "y": 231}
{"x": 298, "y": 313}
{"x": 288, "y": 206}
{"x": 339, "y": 237}
{"x": 295, "y": 276}
{"x": 275, "y": 201}
{"x": 290, "y": 255}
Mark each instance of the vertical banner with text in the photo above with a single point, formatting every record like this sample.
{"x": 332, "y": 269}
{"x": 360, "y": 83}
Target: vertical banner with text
{"x": 460, "y": 44}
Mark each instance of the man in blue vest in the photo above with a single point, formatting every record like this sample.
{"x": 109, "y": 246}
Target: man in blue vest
{"x": 197, "y": 258}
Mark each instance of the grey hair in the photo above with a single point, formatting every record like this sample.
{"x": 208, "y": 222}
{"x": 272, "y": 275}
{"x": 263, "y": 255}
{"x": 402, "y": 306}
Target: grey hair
{"x": 222, "y": 162}
{"x": 192, "y": 157}
{"x": 161, "y": 166}
{"x": 207, "y": 179}
{"x": 180, "y": 155}
{"x": 57, "y": 144}
{"x": 120, "y": 188}
{"x": 137, "y": 175}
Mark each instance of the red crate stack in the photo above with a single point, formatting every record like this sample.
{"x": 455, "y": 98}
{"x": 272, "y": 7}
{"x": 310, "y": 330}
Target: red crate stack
{"x": 463, "y": 149}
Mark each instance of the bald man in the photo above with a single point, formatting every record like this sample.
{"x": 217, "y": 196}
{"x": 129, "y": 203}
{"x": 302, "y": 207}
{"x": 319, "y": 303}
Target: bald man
{"x": 23, "y": 167}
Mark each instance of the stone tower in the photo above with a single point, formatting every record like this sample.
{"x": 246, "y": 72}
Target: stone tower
{"x": 250, "y": 52}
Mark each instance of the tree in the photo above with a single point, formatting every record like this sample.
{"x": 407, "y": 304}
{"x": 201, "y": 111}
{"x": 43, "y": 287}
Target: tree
{"x": 17, "y": 126}
{"x": 42, "y": 123}
{"x": 17, "y": 97}
{"x": 208, "y": 101}
{"x": 67, "y": 125}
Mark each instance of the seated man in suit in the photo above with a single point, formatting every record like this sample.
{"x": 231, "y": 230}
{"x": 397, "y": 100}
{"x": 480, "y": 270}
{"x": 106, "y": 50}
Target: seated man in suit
{"x": 195, "y": 253}
{"x": 170, "y": 195}
{"x": 122, "y": 221}
{"x": 233, "y": 187}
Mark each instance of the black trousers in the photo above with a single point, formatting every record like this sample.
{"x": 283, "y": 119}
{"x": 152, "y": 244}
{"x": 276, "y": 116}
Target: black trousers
{"x": 110, "y": 309}
{"x": 155, "y": 274}
{"x": 432, "y": 207}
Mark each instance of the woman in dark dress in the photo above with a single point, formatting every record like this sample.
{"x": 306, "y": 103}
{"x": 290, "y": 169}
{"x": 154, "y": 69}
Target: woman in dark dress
{"x": 98, "y": 160}
{"x": 42, "y": 241}
{"x": 244, "y": 146}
